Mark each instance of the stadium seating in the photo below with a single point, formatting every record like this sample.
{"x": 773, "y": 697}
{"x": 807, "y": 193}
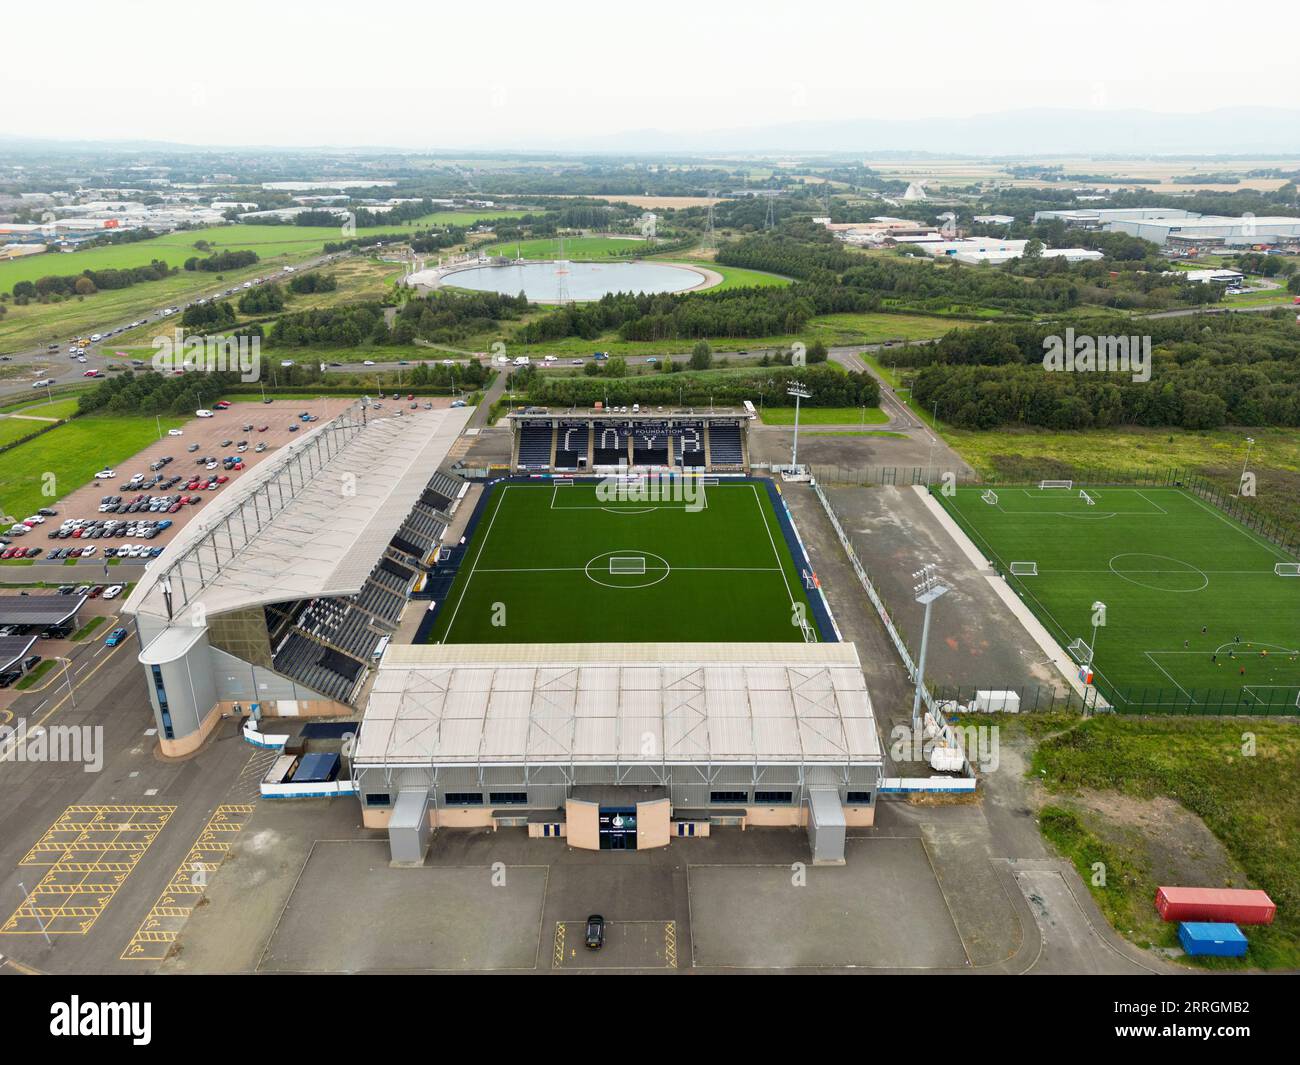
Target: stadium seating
{"x": 535, "y": 447}
{"x": 725, "y": 451}
{"x": 611, "y": 446}
{"x": 688, "y": 447}
{"x": 650, "y": 444}
{"x": 327, "y": 644}
{"x": 571, "y": 445}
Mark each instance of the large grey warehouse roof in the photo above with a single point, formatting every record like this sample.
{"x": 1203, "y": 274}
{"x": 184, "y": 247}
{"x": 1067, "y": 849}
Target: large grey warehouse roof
{"x": 38, "y": 609}
{"x": 479, "y": 704}
{"x": 311, "y": 521}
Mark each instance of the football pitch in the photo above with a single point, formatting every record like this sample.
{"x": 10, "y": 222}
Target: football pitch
{"x": 1195, "y": 613}
{"x": 554, "y": 564}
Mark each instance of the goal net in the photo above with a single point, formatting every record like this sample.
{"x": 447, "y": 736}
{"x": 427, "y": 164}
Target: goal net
{"x": 990, "y": 497}
{"x": 629, "y": 565}
{"x": 1287, "y": 569}
{"x": 1024, "y": 569}
{"x": 1056, "y": 484}
{"x": 1087, "y": 498}
{"x": 1080, "y": 651}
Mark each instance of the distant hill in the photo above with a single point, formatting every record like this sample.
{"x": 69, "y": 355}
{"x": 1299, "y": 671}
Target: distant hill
{"x": 1230, "y": 131}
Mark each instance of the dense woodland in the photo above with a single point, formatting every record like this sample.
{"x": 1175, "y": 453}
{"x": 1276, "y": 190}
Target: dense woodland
{"x": 1206, "y": 372}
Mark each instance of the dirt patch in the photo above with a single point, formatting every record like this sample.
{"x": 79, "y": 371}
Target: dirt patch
{"x": 1171, "y": 841}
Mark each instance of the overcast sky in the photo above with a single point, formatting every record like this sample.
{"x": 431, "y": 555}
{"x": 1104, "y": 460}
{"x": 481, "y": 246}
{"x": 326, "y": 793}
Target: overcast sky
{"x": 428, "y": 74}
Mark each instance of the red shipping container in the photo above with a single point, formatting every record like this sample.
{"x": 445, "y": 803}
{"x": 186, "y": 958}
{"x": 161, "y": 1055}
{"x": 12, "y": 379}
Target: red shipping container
{"x": 1234, "y": 905}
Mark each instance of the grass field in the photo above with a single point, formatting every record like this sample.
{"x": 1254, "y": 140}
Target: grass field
{"x": 67, "y": 457}
{"x": 1195, "y": 614}
{"x": 538, "y": 569}
{"x": 575, "y": 248}
{"x": 825, "y": 416}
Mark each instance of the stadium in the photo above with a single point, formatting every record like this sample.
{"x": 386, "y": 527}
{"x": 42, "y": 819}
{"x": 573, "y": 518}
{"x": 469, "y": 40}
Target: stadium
{"x": 616, "y": 659}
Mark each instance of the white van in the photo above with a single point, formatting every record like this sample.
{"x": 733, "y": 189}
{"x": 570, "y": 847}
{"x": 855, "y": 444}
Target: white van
{"x": 203, "y": 414}
{"x": 522, "y": 360}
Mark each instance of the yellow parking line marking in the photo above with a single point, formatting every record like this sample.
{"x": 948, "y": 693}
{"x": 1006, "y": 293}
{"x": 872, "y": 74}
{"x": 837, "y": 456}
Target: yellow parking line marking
{"x": 88, "y": 853}
{"x": 162, "y": 924}
{"x": 559, "y": 944}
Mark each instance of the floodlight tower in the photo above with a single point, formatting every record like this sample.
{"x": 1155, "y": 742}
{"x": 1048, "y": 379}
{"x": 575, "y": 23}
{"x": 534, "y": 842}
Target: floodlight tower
{"x": 770, "y": 221}
{"x": 799, "y": 392}
{"x": 1245, "y": 464}
{"x": 929, "y": 587}
{"x": 1098, "y": 612}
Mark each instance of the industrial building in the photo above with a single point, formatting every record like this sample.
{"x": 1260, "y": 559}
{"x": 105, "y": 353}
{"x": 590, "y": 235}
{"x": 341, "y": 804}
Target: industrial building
{"x": 278, "y": 598}
{"x": 1178, "y": 229}
{"x": 1212, "y": 231}
{"x": 995, "y": 250}
{"x": 1101, "y": 217}
{"x": 618, "y": 747}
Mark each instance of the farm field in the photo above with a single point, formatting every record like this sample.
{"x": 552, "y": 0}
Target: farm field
{"x": 549, "y": 563}
{"x": 1196, "y": 615}
{"x": 70, "y": 455}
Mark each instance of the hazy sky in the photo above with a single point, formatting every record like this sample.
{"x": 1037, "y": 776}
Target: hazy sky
{"x": 428, "y": 74}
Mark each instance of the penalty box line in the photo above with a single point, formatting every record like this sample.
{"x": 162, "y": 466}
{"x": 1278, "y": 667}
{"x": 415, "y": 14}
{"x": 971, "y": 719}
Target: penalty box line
{"x": 633, "y": 505}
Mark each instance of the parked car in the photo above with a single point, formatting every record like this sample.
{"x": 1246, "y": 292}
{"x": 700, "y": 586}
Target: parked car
{"x": 175, "y": 432}
{"x": 595, "y": 935}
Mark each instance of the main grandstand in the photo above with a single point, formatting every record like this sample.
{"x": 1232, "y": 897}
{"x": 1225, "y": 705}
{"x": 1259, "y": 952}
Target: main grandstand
{"x": 288, "y": 586}
{"x": 598, "y": 440}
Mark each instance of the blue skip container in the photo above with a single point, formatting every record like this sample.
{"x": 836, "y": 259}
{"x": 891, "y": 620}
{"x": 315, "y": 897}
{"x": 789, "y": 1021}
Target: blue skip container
{"x": 1212, "y": 939}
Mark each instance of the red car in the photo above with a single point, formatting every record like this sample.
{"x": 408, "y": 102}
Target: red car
{"x": 262, "y": 428}
{"x": 173, "y": 508}
{"x": 221, "y": 405}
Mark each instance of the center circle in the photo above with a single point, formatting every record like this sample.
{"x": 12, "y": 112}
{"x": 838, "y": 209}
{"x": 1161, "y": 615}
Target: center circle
{"x": 656, "y": 569}
{"x": 1160, "y": 573}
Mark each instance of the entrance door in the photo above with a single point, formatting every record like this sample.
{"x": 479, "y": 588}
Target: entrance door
{"x": 617, "y": 828}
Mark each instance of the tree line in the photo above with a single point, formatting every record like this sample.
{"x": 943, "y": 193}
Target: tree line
{"x": 222, "y": 261}
{"x": 89, "y": 282}
{"x": 1206, "y": 372}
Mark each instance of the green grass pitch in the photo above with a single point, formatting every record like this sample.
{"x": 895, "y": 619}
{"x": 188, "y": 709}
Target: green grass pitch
{"x": 1166, "y": 565}
{"x": 550, "y": 564}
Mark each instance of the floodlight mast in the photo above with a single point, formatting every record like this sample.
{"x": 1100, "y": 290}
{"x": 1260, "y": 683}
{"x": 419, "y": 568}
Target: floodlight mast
{"x": 929, "y": 586}
{"x": 799, "y": 393}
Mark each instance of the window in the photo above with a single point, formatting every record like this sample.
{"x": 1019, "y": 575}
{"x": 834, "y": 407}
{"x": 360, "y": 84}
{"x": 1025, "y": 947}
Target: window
{"x": 773, "y": 798}
{"x": 508, "y": 798}
{"x": 164, "y": 711}
{"x": 463, "y": 798}
{"x": 729, "y": 796}
{"x": 859, "y": 798}
{"x": 378, "y": 799}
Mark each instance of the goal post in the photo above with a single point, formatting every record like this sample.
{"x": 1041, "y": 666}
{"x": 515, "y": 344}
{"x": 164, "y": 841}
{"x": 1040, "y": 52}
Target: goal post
{"x": 1024, "y": 569}
{"x": 990, "y": 497}
{"x": 1087, "y": 498}
{"x": 1080, "y": 651}
{"x": 1056, "y": 484}
{"x": 1287, "y": 569}
{"x": 627, "y": 565}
